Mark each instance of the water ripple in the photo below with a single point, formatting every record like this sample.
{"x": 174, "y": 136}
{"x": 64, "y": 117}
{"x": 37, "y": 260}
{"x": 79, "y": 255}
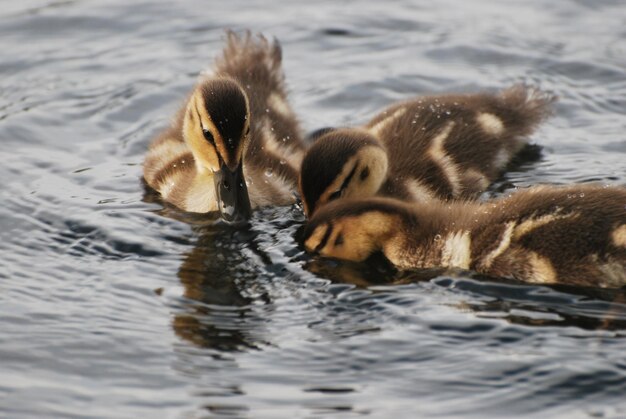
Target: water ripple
{"x": 120, "y": 306}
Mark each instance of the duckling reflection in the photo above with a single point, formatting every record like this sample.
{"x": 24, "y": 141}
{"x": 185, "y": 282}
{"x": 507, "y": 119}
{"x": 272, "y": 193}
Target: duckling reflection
{"x": 377, "y": 271}
{"x": 588, "y": 308}
{"x": 222, "y": 293}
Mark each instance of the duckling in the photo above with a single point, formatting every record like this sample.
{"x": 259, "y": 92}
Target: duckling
{"x": 434, "y": 147}
{"x": 572, "y": 235}
{"x": 236, "y": 143}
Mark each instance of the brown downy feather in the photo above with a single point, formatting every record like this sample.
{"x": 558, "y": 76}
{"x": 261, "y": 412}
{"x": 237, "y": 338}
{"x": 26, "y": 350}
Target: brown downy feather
{"x": 571, "y": 235}
{"x": 437, "y": 147}
{"x": 276, "y": 148}
{"x": 455, "y": 146}
{"x": 272, "y": 156}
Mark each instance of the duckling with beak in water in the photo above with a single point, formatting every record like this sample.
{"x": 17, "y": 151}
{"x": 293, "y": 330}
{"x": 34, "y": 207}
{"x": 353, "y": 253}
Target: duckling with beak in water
{"x": 548, "y": 235}
{"x": 236, "y": 143}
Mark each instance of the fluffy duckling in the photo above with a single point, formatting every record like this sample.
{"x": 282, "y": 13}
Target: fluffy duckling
{"x": 236, "y": 143}
{"x": 436, "y": 147}
{"x": 572, "y": 235}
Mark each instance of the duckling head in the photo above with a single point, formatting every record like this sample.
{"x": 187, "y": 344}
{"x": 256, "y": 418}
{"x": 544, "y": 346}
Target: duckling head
{"x": 216, "y": 127}
{"x": 353, "y": 229}
{"x": 342, "y": 163}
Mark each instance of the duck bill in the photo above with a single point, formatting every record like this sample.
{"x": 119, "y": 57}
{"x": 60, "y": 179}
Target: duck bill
{"x": 232, "y": 194}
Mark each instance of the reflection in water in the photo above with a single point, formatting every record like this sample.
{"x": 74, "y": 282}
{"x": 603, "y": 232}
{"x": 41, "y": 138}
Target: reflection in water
{"x": 235, "y": 281}
{"x": 375, "y": 271}
{"x": 211, "y": 274}
{"x": 516, "y": 302}
{"x": 218, "y": 312}
{"x": 227, "y": 277}
{"x": 545, "y": 305}
{"x": 533, "y": 305}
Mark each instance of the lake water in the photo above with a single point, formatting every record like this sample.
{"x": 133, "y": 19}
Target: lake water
{"x": 112, "y": 306}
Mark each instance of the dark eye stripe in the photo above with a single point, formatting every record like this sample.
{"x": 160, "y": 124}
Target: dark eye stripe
{"x": 334, "y": 195}
{"x": 209, "y": 137}
{"x": 207, "y": 134}
{"x": 322, "y": 243}
{"x": 348, "y": 178}
{"x": 345, "y": 183}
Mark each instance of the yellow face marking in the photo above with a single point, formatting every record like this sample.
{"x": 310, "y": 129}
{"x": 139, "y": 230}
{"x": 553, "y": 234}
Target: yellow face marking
{"x": 204, "y": 154}
{"x": 356, "y": 243}
{"x": 361, "y": 236}
{"x": 353, "y": 238}
{"x": 197, "y": 120}
{"x": 380, "y": 126}
{"x": 619, "y": 236}
{"x": 373, "y": 160}
{"x": 370, "y": 173}
{"x": 456, "y": 250}
{"x": 490, "y": 123}
{"x": 207, "y": 124}
{"x": 445, "y": 162}
{"x": 315, "y": 239}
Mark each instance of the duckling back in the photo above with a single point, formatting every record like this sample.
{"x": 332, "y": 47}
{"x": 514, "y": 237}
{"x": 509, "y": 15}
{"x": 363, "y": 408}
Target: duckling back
{"x": 574, "y": 235}
{"x": 455, "y": 146}
{"x": 435, "y": 147}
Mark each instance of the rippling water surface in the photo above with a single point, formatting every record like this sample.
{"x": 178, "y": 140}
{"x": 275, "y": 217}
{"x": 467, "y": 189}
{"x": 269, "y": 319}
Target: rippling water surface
{"x": 113, "y": 306}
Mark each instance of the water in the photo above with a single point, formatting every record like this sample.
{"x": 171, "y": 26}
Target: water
{"x": 113, "y": 306}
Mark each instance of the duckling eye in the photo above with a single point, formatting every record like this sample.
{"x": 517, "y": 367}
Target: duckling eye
{"x": 208, "y": 136}
{"x": 365, "y": 173}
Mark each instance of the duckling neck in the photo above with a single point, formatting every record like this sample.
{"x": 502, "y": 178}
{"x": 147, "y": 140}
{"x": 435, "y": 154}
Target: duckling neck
{"x": 392, "y": 189}
{"x": 436, "y": 235}
{"x": 451, "y": 249}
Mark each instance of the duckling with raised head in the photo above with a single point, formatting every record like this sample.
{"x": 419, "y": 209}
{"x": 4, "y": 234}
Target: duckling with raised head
{"x": 236, "y": 143}
{"x": 434, "y": 147}
{"x": 572, "y": 235}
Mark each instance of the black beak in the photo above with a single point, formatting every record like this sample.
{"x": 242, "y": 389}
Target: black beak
{"x": 232, "y": 194}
